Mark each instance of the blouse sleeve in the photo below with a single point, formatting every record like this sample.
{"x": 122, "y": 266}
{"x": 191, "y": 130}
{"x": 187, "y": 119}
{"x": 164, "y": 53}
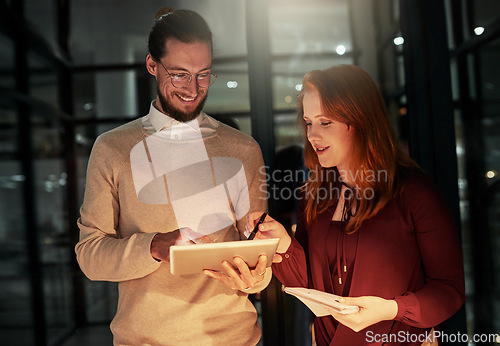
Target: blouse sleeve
{"x": 292, "y": 271}
{"x": 443, "y": 292}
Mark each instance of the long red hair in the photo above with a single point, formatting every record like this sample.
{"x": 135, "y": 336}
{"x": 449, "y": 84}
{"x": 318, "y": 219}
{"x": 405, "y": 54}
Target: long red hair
{"x": 349, "y": 95}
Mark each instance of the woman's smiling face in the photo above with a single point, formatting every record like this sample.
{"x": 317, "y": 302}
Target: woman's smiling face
{"x": 330, "y": 139}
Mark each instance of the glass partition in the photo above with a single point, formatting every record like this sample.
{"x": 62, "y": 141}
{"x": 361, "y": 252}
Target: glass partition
{"x": 55, "y": 249}
{"x": 42, "y": 18}
{"x": 489, "y": 94}
{"x": 304, "y": 36}
{"x": 16, "y": 314}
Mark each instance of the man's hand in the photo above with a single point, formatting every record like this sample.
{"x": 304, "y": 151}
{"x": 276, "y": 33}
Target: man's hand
{"x": 161, "y": 243}
{"x": 242, "y": 277}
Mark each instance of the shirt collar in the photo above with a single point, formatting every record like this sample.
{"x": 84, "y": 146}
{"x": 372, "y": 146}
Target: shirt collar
{"x": 162, "y": 121}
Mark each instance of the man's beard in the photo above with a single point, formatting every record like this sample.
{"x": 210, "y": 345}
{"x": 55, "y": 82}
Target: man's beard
{"x": 177, "y": 114}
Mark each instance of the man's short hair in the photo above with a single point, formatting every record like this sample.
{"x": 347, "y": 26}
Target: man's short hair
{"x": 183, "y": 25}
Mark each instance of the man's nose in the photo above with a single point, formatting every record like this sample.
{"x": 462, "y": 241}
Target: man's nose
{"x": 192, "y": 87}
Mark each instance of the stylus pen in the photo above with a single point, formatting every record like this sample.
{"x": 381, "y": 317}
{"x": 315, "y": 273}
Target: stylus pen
{"x": 256, "y": 228}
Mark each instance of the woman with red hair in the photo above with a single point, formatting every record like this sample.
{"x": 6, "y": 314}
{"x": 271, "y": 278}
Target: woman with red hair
{"x": 372, "y": 227}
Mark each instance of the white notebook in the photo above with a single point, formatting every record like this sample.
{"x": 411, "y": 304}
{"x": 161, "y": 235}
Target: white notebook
{"x": 319, "y": 301}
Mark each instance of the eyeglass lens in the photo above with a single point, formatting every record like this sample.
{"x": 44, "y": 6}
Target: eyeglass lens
{"x": 183, "y": 79}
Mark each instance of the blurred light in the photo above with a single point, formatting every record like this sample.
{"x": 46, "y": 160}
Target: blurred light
{"x": 88, "y": 106}
{"x": 49, "y": 186}
{"x": 17, "y": 178}
{"x": 232, "y": 84}
{"x": 298, "y": 87}
{"x": 490, "y": 174}
{"x": 340, "y": 49}
{"x": 460, "y": 150}
{"x": 479, "y": 30}
{"x": 288, "y": 99}
{"x": 462, "y": 184}
{"x": 403, "y": 110}
{"x": 399, "y": 41}
{"x": 80, "y": 139}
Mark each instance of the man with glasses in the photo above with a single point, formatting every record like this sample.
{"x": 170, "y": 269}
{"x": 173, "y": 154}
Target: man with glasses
{"x": 174, "y": 176}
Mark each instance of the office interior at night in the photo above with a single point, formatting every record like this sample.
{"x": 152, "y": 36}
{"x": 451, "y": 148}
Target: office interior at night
{"x": 71, "y": 70}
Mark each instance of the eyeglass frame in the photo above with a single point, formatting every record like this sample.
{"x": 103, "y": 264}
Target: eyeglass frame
{"x": 171, "y": 75}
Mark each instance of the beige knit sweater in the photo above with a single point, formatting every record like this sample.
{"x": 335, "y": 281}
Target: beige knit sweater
{"x": 118, "y": 221}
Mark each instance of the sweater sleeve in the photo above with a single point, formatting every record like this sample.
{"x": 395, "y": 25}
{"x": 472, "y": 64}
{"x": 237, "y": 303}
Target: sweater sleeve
{"x": 101, "y": 253}
{"x": 443, "y": 292}
{"x": 255, "y": 172}
{"x": 257, "y": 191}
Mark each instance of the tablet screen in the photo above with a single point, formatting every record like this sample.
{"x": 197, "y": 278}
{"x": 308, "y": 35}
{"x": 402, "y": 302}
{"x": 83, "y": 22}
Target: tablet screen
{"x": 191, "y": 259}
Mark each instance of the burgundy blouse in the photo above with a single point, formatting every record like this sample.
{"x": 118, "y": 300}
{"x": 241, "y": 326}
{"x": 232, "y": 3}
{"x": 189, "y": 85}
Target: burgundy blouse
{"x": 410, "y": 251}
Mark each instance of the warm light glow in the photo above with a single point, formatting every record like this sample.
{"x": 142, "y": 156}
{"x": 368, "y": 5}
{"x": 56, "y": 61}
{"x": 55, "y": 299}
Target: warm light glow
{"x": 490, "y": 174}
{"x": 340, "y": 49}
{"x": 232, "y": 84}
{"x": 288, "y": 99}
{"x": 479, "y": 30}
{"x": 399, "y": 41}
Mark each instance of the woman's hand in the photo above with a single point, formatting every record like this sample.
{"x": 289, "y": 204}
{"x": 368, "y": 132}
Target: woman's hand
{"x": 270, "y": 228}
{"x": 371, "y": 310}
{"x": 242, "y": 277}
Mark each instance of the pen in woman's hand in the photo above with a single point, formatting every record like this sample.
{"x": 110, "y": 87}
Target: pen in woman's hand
{"x": 256, "y": 228}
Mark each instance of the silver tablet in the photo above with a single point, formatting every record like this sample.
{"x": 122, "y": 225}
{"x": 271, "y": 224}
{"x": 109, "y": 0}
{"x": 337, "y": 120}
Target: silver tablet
{"x": 191, "y": 259}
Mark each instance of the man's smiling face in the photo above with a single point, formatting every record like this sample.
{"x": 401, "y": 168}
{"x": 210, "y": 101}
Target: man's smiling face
{"x": 184, "y": 103}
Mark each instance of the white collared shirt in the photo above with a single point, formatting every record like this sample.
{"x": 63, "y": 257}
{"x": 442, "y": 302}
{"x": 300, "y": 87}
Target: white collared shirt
{"x": 167, "y": 127}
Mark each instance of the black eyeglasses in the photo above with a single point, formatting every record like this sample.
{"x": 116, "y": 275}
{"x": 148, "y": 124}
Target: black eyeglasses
{"x": 181, "y": 80}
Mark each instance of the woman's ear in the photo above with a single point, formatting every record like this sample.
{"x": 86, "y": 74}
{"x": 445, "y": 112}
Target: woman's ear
{"x": 151, "y": 65}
